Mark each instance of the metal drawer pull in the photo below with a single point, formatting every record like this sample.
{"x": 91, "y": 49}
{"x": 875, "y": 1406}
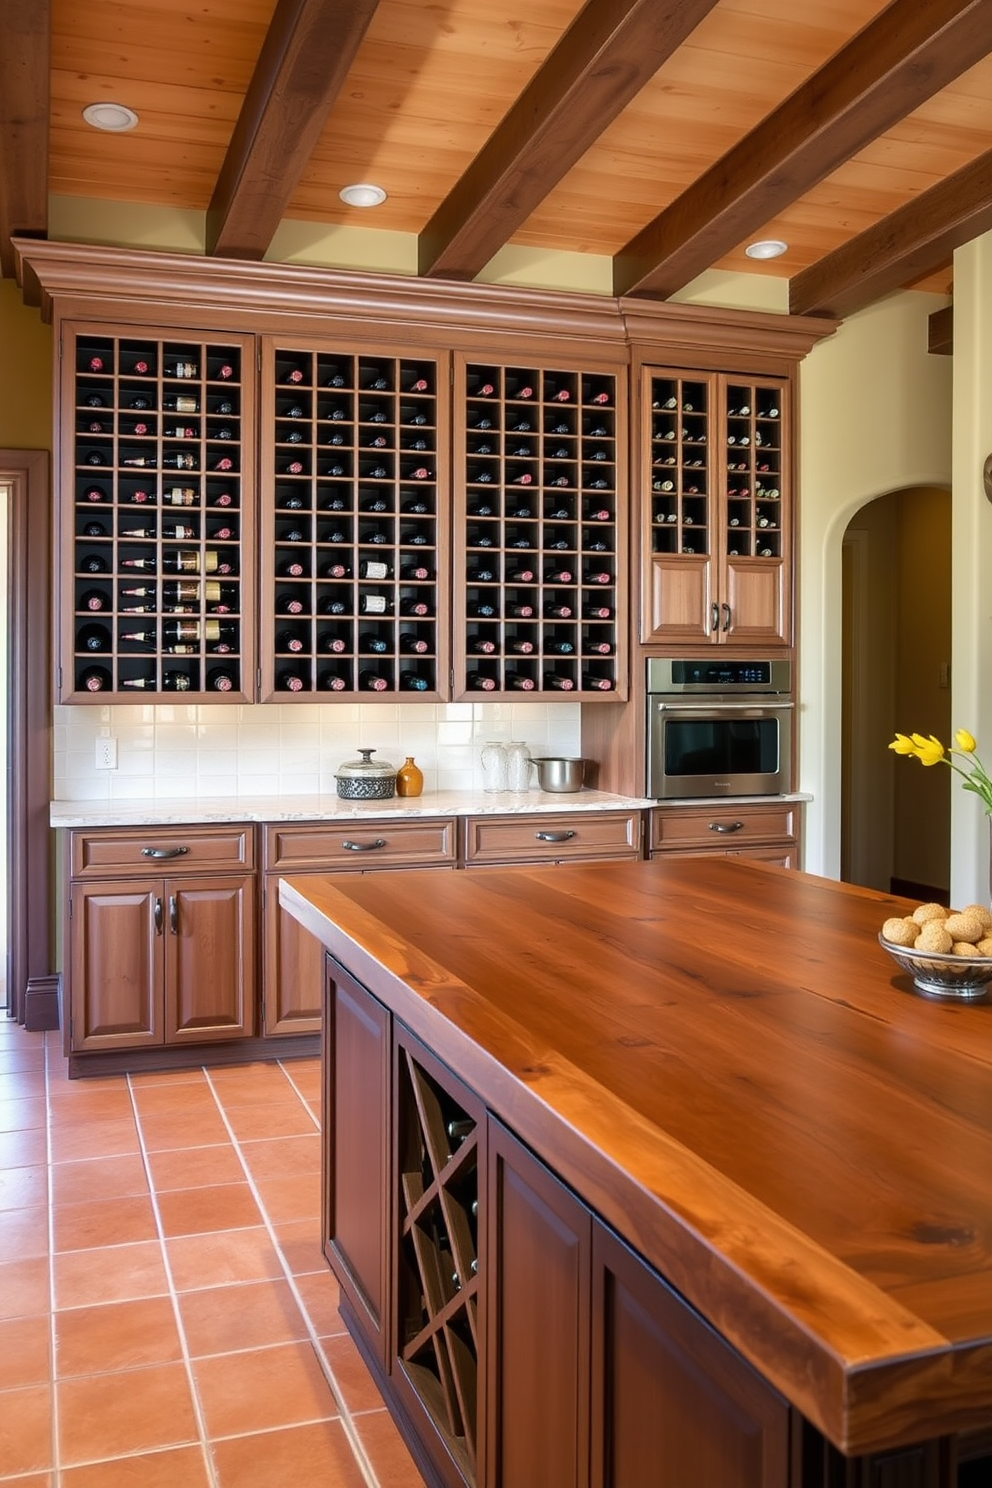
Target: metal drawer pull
{"x": 173, "y": 915}
{"x": 716, "y": 618}
{"x": 163, "y": 852}
{"x": 364, "y": 846}
{"x": 158, "y": 916}
{"x": 726, "y": 617}
{"x": 553, "y": 836}
{"x": 726, "y": 826}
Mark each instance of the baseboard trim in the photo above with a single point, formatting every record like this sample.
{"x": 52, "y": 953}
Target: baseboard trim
{"x": 41, "y": 1003}
{"x": 193, "y": 1056}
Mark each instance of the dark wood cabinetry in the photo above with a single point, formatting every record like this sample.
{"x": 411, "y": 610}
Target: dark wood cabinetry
{"x": 769, "y": 832}
{"x": 156, "y": 513}
{"x": 717, "y": 525}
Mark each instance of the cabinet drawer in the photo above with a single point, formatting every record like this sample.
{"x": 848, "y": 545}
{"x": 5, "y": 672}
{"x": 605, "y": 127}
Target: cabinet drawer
{"x": 359, "y": 845}
{"x": 721, "y": 827}
{"x": 546, "y": 838}
{"x": 99, "y": 854}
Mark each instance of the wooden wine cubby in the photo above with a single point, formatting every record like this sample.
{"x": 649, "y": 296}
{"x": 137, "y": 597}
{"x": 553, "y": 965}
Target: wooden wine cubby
{"x": 440, "y": 1147}
{"x": 157, "y": 515}
{"x": 355, "y": 537}
{"x": 540, "y": 534}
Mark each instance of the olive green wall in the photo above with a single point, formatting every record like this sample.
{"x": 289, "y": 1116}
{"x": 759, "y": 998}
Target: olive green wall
{"x": 25, "y": 374}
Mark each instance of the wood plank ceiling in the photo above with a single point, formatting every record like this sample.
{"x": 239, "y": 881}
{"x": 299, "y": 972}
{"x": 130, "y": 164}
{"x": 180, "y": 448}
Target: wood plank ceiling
{"x": 663, "y": 134}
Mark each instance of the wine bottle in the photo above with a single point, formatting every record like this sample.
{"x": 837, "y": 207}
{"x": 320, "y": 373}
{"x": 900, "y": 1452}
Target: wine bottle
{"x": 94, "y": 599}
{"x": 290, "y": 568}
{"x": 178, "y": 496}
{"x": 289, "y": 681}
{"x": 370, "y": 681}
{"x": 596, "y": 684}
{"x": 139, "y": 682}
{"x": 180, "y": 431}
{"x": 556, "y": 611}
{"x": 519, "y": 682}
{"x": 559, "y": 576}
{"x": 414, "y": 644}
{"x": 518, "y": 611}
{"x": 479, "y": 682}
{"x": 555, "y": 682}
{"x": 372, "y": 538}
{"x": 411, "y": 537}
{"x": 520, "y": 646}
{"x": 411, "y": 682}
{"x": 520, "y": 576}
{"x": 93, "y": 638}
{"x": 597, "y": 648}
{"x": 95, "y": 458}
{"x": 415, "y": 573}
{"x": 332, "y": 606}
{"x": 223, "y": 498}
{"x": 178, "y": 403}
{"x": 93, "y": 563}
{"x": 481, "y": 647}
{"x": 335, "y": 570}
{"x": 481, "y": 576}
{"x": 94, "y": 529}
{"x": 377, "y": 644}
{"x": 93, "y": 400}
{"x": 329, "y": 681}
{"x": 375, "y": 569}
{"x": 374, "y": 604}
{"x": 600, "y": 576}
{"x": 180, "y": 369}
{"x": 286, "y": 640}
{"x": 95, "y": 679}
{"x": 94, "y": 494}
{"x": 600, "y": 514}
{"x": 331, "y": 641}
{"x": 560, "y": 648}
{"x": 482, "y": 610}
{"x": 413, "y": 605}
{"x": 220, "y": 679}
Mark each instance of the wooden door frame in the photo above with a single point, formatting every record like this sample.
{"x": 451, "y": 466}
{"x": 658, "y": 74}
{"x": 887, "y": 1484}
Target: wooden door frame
{"x": 32, "y": 989}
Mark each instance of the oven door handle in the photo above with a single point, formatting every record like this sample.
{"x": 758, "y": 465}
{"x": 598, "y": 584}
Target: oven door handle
{"x": 706, "y": 710}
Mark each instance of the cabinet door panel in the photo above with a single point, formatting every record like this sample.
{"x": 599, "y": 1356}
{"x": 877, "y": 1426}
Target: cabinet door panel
{"x": 680, "y": 599}
{"x": 758, "y": 600}
{"x": 116, "y": 966}
{"x": 292, "y": 972}
{"x": 209, "y": 958}
{"x": 356, "y": 1146}
{"x": 673, "y": 1404}
{"x": 538, "y": 1296}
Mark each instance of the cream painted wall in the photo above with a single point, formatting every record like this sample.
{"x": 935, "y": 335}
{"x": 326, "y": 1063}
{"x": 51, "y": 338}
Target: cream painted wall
{"x": 875, "y": 417}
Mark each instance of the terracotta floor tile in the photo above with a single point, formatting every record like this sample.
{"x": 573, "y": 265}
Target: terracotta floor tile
{"x": 23, "y": 1188}
{"x": 321, "y": 1295}
{"x": 270, "y": 1119}
{"x": 99, "y": 1178}
{"x": 195, "y": 1167}
{"x": 115, "y": 1273}
{"x": 178, "y": 1467}
{"x": 116, "y": 1336}
{"x": 111, "y": 1415}
{"x": 23, "y": 1115}
{"x": 31, "y": 1480}
{"x": 23, "y": 1149}
{"x": 300, "y": 1243}
{"x": 25, "y": 1353}
{"x": 258, "y": 1081}
{"x": 16, "y": 1059}
{"x": 222, "y": 1257}
{"x": 103, "y": 1222}
{"x": 194, "y": 1211}
{"x": 263, "y": 1388}
{"x": 195, "y": 1075}
{"x": 283, "y": 1157}
{"x": 355, "y": 1385}
{"x": 290, "y": 1198}
{"x": 25, "y": 1287}
{"x": 99, "y": 1137}
{"x": 21, "y": 1084}
{"x": 220, "y": 1320}
{"x": 319, "y": 1453}
{"x": 168, "y": 1131}
{"x": 387, "y": 1451}
{"x": 170, "y": 1100}
{"x": 26, "y": 1429}
{"x": 106, "y": 1103}
{"x": 24, "y": 1232}
{"x": 305, "y": 1081}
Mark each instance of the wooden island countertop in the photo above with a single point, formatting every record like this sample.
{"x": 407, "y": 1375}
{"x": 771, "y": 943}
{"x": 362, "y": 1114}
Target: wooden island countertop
{"x": 723, "y": 1063}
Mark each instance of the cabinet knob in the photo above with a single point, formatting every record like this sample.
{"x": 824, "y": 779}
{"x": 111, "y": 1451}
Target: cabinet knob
{"x": 726, "y": 826}
{"x": 163, "y": 852}
{"x": 553, "y": 836}
{"x": 364, "y": 846}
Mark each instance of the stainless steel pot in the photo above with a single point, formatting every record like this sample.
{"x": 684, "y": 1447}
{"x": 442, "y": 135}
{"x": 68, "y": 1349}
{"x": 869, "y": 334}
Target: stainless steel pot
{"x": 558, "y": 773}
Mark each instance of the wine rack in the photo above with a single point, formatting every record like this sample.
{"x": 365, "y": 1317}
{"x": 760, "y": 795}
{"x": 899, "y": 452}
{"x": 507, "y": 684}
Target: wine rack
{"x": 355, "y": 542}
{"x": 161, "y": 516}
{"x": 754, "y": 470}
{"x": 539, "y": 543}
{"x": 681, "y": 451}
{"x": 438, "y": 1343}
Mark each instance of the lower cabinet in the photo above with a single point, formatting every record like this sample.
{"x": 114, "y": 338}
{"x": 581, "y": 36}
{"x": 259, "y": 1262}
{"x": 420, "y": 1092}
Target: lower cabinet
{"x": 769, "y": 833}
{"x": 558, "y": 837}
{"x": 518, "y": 1341}
{"x": 165, "y": 961}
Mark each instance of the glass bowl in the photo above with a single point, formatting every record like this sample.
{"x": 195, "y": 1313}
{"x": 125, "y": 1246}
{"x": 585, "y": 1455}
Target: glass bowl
{"x": 953, "y": 978}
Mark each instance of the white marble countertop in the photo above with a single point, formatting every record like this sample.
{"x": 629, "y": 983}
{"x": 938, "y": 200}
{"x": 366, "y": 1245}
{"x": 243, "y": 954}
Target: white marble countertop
{"x": 329, "y": 808}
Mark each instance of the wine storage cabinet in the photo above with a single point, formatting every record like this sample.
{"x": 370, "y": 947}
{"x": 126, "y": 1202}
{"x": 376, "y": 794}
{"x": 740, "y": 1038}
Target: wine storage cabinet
{"x": 355, "y": 542}
{"x": 157, "y": 514}
{"x": 717, "y": 523}
{"x": 540, "y": 540}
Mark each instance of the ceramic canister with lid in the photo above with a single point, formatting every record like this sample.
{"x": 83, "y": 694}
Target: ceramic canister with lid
{"x": 366, "y": 779}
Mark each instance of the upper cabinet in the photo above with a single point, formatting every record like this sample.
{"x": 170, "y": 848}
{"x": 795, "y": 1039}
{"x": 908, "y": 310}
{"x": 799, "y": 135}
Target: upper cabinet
{"x": 157, "y": 510}
{"x": 355, "y": 519}
{"x": 716, "y": 510}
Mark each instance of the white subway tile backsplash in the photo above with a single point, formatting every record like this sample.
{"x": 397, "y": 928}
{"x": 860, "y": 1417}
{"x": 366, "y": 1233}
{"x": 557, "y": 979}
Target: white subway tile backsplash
{"x": 177, "y": 751}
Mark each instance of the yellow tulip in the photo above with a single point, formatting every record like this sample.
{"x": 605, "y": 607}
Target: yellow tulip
{"x": 903, "y": 745}
{"x": 965, "y": 741}
{"x": 928, "y": 751}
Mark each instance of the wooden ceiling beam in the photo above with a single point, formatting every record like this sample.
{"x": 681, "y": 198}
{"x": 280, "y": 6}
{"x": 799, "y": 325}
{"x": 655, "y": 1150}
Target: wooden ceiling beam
{"x": 25, "y": 91}
{"x": 901, "y": 58}
{"x": 910, "y": 242}
{"x": 305, "y": 58}
{"x": 611, "y": 49}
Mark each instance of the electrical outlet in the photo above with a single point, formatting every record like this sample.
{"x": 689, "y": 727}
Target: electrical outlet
{"x": 106, "y": 754}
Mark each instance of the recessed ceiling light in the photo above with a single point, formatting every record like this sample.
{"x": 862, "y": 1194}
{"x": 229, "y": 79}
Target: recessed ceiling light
{"x": 362, "y": 195}
{"x": 115, "y": 117}
{"x": 767, "y": 248}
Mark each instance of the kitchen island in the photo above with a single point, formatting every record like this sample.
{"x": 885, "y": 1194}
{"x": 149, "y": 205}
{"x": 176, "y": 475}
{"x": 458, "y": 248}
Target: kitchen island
{"x": 670, "y": 1147}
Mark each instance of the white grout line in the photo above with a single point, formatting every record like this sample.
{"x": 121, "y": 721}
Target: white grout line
{"x": 56, "y": 1461}
{"x": 347, "y": 1422}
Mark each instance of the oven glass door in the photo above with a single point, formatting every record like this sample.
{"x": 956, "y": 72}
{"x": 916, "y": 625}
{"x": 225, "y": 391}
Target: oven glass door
{"x": 708, "y": 751}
